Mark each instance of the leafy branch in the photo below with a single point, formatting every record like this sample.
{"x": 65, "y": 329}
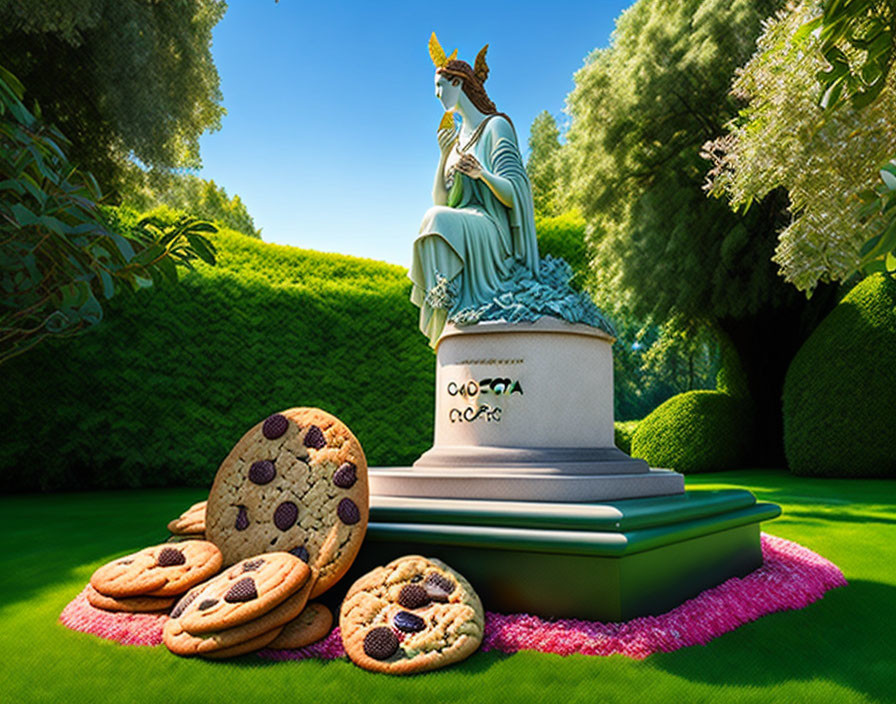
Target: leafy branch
{"x": 57, "y": 252}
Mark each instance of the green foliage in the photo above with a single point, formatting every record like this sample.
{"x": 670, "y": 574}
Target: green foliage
{"x": 121, "y": 79}
{"x": 623, "y": 431}
{"x": 823, "y": 159}
{"x": 165, "y": 386}
{"x": 190, "y": 194}
{"x": 840, "y": 391}
{"x": 58, "y": 254}
{"x": 641, "y": 111}
{"x": 697, "y": 431}
{"x": 683, "y": 357}
{"x": 730, "y": 377}
{"x": 542, "y": 165}
{"x": 563, "y": 237}
{"x": 857, "y": 39}
{"x": 879, "y": 252}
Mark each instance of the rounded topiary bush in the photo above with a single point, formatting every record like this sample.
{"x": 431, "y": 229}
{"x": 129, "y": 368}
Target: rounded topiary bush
{"x": 840, "y": 389}
{"x": 697, "y": 431}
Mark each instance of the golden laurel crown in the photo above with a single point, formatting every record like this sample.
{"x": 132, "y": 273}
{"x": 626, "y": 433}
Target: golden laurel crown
{"x": 437, "y": 54}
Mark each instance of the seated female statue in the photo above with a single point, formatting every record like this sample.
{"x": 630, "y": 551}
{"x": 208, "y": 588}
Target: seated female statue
{"x": 481, "y": 225}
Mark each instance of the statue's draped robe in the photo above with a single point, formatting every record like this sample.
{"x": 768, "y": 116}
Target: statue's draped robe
{"x": 475, "y": 239}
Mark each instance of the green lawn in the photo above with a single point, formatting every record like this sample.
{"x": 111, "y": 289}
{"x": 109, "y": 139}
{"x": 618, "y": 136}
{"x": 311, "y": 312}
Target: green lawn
{"x": 839, "y": 649}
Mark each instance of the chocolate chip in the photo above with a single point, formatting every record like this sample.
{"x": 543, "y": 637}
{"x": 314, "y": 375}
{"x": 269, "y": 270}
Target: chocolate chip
{"x": 413, "y": 596}
{"x": 274, "y": 426}
{"x": 408, "y": 622}
{"x": 314, "y": 437}
{"x": 169, "y": 557}
{"x": 242, "y": 519}
{"x": 439, "y": 587}
{"x": 252, "y": 565}
{"x": 380, "y": 643}
{"x": 262, "y": 472}
{"x": 348, "y": 512}
{"x": 207, "y": 604}
{"x": 285, "y": 515}
{"x": 124, "y": 562}
{"x": 244, "y": 590}
{"x": 300, "y": 552}
{"x": 182, "y": 604}
{"x": 345, "y": 476}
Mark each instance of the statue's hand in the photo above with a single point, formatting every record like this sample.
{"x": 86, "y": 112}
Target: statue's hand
{"x": 446, "y": 139}
{"x": 470, "y": 166}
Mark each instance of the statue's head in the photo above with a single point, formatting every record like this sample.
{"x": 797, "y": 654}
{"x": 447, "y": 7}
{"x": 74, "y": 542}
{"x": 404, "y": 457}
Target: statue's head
{"x": 454, "y": 76}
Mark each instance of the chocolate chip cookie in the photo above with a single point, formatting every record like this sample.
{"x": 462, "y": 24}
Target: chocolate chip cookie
{"x": 161, "y": 570}
{"x": 212, "y": 644}
{"x": 296, "y": 482}
{"x": 190, "y": 522}
{"x": 308, "y": 627}
{"x": 414, "y": 614}
{"x": 247, "y": 590}
{"x": 130, "y": 604}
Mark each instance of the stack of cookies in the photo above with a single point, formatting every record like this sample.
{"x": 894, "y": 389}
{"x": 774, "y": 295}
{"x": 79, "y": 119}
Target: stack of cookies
{"x": 246, "y": 607}
{"x": 287, "y": 513}
{"x": 153, "y": 578}
{"x": 288, "y": 510}
{"x": 190, "y": 525}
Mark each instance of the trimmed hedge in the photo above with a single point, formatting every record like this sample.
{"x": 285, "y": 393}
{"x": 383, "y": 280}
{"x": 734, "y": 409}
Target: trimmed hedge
{"x": 840, "y": 389}
{"x": 624, "y": 430}
{"x": 697, "y": 431}
{"x": 160, "y": 391}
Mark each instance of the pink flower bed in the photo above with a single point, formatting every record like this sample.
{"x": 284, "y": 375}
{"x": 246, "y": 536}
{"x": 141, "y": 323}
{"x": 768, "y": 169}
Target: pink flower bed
{"x": 791, "y": 577}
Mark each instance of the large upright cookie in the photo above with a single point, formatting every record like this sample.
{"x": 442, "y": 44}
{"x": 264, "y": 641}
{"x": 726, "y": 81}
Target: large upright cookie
{"x": 296, "y": 482}
{"x": 161, "y": 570}
{"x": 414, "y": 614}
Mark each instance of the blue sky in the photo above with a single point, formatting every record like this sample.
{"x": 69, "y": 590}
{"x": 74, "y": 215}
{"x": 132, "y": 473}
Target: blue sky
{"x": 330, "y": 136}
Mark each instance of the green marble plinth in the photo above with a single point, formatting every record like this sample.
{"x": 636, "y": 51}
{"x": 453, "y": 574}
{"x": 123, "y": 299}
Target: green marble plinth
{"x": 601, "y": 561}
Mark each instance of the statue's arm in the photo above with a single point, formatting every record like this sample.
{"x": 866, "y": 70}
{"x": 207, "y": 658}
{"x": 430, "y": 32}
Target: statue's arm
{"x": 500, "y": 186}
{"x": 439, "y": 192}
{"x": 447, "y": 138}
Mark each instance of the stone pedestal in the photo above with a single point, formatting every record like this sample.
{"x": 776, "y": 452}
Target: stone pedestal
{"x": 524, "y": 412}
{"x": 525, "y": 493}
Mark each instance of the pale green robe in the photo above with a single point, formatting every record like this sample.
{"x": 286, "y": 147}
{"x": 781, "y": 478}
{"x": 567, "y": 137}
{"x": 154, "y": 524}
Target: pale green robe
{"x": 475, "y": 239}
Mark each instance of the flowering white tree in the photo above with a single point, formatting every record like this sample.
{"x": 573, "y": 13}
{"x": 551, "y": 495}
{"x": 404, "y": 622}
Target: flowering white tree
{"x": 795, "y": 134}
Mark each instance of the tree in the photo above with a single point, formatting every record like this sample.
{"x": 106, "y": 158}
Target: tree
{"x": 796, "y": 136}
{"x": 122, "y": 80}
{"x": 544, "y": 146}
{"x": 58, "y": 254}
{"x": 650, "y": 364}
{"x": 190, "y": 194}
{"x": 641, "y": 111}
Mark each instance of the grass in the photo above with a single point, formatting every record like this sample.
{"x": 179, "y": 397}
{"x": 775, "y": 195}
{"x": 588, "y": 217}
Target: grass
{"x": 839, "y": 649}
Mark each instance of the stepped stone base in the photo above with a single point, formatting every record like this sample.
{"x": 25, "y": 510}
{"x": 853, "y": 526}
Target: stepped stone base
{"x": 608, "y": 561}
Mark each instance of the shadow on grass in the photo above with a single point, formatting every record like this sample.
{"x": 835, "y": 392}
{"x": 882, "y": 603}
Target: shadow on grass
{"x": 48, "y": 538}
{"x": 846, "y": 638}
{"x": 843, "y": 516}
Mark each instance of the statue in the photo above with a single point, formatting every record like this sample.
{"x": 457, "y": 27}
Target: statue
{"x": 482, "y": 219}
{"x": 476, "y": 254}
